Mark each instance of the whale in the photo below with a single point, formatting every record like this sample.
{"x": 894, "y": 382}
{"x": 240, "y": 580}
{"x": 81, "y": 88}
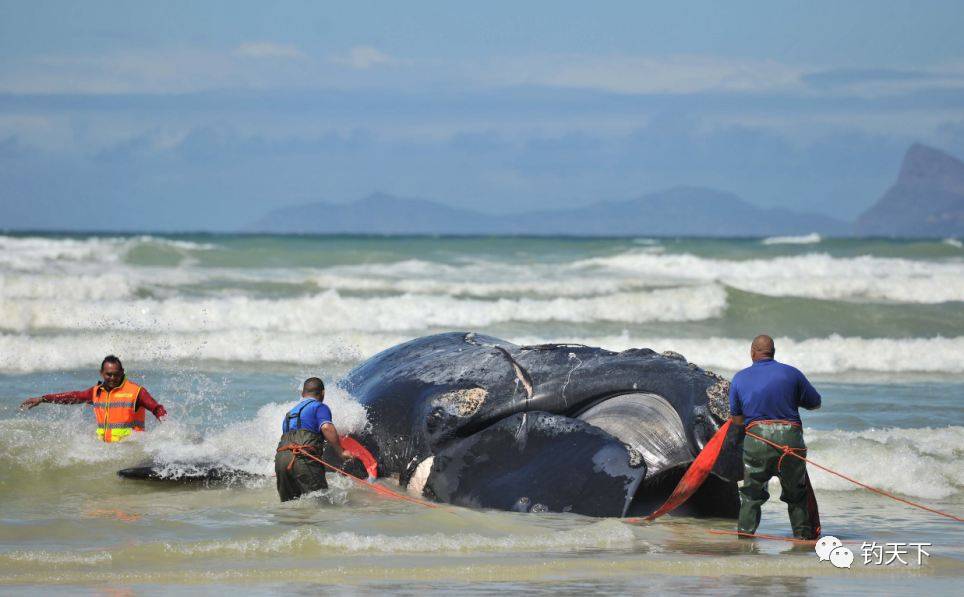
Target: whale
{"x": 475, "y": 421}
{"x": 472, "y": 420}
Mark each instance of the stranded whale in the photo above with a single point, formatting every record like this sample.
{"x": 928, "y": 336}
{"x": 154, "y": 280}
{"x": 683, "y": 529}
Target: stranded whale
{"x": 476, "y": 421}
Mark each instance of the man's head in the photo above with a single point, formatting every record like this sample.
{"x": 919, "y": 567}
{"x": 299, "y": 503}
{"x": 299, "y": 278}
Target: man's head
{"x": 112, "y": 372}
{"x": 313, "y": 388}
{"x": 762, "y": 348}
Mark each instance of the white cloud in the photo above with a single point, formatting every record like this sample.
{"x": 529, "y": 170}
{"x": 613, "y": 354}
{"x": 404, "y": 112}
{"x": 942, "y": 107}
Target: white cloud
{"x": 264, "y": 49}
{"x": 170, "y": 70}
{"x": 363, "y": 57}
{"x": 654, "y": 74}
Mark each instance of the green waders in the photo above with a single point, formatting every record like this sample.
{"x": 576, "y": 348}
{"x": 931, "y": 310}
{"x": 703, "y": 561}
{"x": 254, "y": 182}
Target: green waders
{"x": 762, "y": 461}
{"x": 298, "y": 474}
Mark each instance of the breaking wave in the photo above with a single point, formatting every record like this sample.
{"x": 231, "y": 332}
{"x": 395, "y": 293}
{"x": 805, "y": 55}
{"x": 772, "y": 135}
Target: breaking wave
{"x": 830, "y": 355}
{"x": 330, "y": 311}
{"x": 177, "y": 448}
{"x": 925, "y": 463}
{"x": 38, "y": 253}
{"x": 807, "y": 239}
{"x": 818, "y": 276}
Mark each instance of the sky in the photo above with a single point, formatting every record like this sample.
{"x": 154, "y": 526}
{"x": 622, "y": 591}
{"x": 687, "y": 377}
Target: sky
{"x": 205, "y": 115}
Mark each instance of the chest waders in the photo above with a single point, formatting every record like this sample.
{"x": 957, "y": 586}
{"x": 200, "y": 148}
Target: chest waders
{"x": 297, "y": 475}
{"x": 761, "y": 462}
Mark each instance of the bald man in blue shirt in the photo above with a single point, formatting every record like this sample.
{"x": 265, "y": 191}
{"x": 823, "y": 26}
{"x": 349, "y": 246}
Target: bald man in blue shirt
{"x": 766, "y": 397}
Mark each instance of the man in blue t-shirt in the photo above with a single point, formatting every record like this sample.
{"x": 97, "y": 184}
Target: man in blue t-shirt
{"x": 306, "y": 426}
{"x": 766, "y": 397}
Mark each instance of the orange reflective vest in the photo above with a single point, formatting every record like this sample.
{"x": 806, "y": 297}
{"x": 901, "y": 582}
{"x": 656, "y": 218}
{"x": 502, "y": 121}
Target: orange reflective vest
{"x": 116, "y": 411}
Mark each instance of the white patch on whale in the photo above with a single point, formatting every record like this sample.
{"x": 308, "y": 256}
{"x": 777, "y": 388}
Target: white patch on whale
{"x": 420, "y": 477}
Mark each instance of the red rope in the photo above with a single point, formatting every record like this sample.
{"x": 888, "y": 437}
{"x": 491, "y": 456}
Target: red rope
{"x": 788, "y": 450}
{"x": 296, "y": 449}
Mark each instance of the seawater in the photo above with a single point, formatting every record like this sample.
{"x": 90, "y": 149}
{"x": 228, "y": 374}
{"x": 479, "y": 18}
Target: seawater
{"x": 222, "y": 329}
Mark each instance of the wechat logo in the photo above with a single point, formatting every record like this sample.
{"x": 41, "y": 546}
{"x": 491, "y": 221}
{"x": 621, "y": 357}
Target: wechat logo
{"x": 830, "y": 549}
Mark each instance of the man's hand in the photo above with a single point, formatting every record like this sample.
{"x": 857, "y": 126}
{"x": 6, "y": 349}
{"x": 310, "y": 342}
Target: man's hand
{"x": 30, "y": 403}
{"x": 160, "y": 411}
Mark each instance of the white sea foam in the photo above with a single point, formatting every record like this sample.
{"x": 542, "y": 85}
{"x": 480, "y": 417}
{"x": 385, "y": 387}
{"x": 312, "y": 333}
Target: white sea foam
{"x": 32, "y": 253}
{"x": 331, "y": 312}
{"x": 24, "y": 353}
{"x": 829, "y": 355}
{"x": 246, "y": 445}
{"x": 926, "y": 463}
{"x": 833, "y": 354}
{"x": 818, "y": 276}
{"x": 603, "y": 534}
{"x": 58, "y": 558}
{"x": 806, "y": 239}
{"x": 174, "y": 446}
{"x": 954, "y": 243}
{"x": 35, "y": 267}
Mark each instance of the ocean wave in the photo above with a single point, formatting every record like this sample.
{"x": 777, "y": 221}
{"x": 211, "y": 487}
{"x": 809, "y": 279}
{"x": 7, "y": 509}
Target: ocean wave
{"x": 604, "y": 534}
{"x": 35, "y": 267}
{"x": 57, "y": 558}
{"x": 331, "y": 312}
{"x": 806, "y": 239}
{"x": 953, "y": 242}
{"x": 25, "y": 353}
{"x": 247, "y": 446}
{"x": 34, "y": 253}
{"x": 926, "y": 463}
{"x": 830, "y": 355}
{"x": 819, "y": 276}
{"x": 174, "y": 446}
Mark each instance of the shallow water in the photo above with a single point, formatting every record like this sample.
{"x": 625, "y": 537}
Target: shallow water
{"x": 223, "y": 329}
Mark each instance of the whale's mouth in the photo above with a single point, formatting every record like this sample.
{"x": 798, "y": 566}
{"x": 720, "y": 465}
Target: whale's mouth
{"x": 648, "y": 424}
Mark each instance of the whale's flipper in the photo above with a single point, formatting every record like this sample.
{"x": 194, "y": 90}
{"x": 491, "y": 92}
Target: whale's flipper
{"x": 538, "y": 461}
{"x": 210, "y": 472}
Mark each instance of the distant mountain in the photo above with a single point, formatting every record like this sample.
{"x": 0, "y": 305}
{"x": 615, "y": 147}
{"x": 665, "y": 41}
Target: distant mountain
{"x": 681, "y": 211}
{"x": 376, "y": 214}
{"x": 926, "y": 201}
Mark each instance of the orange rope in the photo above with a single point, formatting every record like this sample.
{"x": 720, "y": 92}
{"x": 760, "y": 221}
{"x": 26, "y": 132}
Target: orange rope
{"x": 788, "y": 450}
{"x": 296, "y": 449}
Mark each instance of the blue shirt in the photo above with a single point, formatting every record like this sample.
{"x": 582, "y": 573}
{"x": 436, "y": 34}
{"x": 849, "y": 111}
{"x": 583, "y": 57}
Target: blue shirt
{"x": 314, "y": 414}
{"x": 771, "y": 390}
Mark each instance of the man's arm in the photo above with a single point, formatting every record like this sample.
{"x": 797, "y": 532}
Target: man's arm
{"x": 809, "y": 397}
{"x": 736, "y": 407}
{"x": 331, "y": 435}
{"x": 77, "y": 397}
{"x": 147, "y": 401}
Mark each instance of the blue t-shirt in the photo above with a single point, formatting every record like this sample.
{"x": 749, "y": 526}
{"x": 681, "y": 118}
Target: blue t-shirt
{"x": 314, "y": 414}
{"x": 771, "y": 390}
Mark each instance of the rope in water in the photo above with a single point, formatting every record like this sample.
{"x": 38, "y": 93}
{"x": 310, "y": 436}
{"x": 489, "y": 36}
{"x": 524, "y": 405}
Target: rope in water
{"x": 303, "y": 450}
{"x": 791, "y": 451}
